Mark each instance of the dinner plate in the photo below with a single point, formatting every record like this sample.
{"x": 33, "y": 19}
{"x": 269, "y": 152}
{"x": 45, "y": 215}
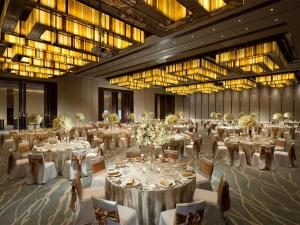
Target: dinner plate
{"x": 114, "y": 175}
{"x": 166, "y": 186}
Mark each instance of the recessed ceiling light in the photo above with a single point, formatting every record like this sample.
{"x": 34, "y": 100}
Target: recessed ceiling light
{"x": 239, "y": 20}
{"x": 276, "y": 20}
{"x": 174, "y": 42}
{"x": 213, "y": 29}
{"x": 202, "y": 42}
{"x": 192, "y": 36}
{"x": 246, "y": 28}
{"x": 272, "y": 9}
{"x": 222, "y": 36}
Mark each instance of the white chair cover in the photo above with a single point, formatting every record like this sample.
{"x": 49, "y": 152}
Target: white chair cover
{"x": 73, "y": 167}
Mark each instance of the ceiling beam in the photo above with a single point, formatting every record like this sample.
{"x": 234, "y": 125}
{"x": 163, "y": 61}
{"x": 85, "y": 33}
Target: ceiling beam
{"x": 194, "y": 7}
{"x": 149, "y": 10}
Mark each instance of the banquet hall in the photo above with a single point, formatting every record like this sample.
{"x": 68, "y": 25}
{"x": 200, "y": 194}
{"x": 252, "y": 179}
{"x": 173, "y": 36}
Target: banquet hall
{"x": 149, "y": 112}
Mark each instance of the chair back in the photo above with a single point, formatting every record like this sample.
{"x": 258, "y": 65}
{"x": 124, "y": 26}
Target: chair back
{"x": 197, "y": 145}
{"x": 77, "y": 158}
{"x": 292, "y": 154}
{"x": 106, "y": 212}
{"x": 223, "y": 195}
{"x": 189, "y": 213}
{"x": 98, "y": 166}
{"x": 76, "y": 192}
{"x": 133, "y": 154}
{"x": 206, "y": 167}
{"x": 281, "y": 142}
{"x": 35, "y": 159}
{"x": 11, "y": 162}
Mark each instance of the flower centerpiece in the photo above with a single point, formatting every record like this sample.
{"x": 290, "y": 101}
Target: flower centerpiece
{"x": 241, "y": 114}
{"x": 277, "y": 117}
{"x": 228, "y": 117}
{"x": 219, "y": 116}
{"x": 105, "y": 115}
{"x": 35, "y": 119}
{"x": 247, "y": 122}
{"x": 171, "y": 120}
{"x": 213, "y": 115}
{"x": 180, "y": 115}
{"x": 113, "y": 119}
{"x": 62, "y": 124}
{"x": 253, "y": 115}
{"x": 288, "y": 115}
{"x": 151, "y": 132}
{"x": 131, "y": 117}
{"x": 79, "y": 117}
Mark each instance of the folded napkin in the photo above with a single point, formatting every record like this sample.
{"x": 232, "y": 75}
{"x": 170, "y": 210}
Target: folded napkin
{"x": 112, "y": 172}
{"x": 130, "y": 181}
{"x": 166, "y": 182}
{"x": 187, "y": 173}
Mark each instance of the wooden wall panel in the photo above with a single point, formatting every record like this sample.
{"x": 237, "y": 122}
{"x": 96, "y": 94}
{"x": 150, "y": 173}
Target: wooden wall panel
{"x": 192, "y": 107}
{"x": 205, "y": 114}
{"x": 287, "y": 99}
{"x": 297, "y": 103}
{"x": 212, "y": 105}
{"x": 219, "y": 102}
{"x": 264, "y": 103}
{"x": 275, "y": 101}
{"x": 235, "y": 104}
{"x": 198, "y": 106}
{"x": 244, "y": 101}
{"x": 227, "y": 101}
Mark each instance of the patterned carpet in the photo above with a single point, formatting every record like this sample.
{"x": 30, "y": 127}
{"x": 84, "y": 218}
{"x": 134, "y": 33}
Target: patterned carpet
{"x": 257, "y": 197}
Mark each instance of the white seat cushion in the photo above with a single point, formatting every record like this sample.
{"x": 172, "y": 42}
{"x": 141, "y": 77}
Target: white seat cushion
{"x": 210, "y": 196}
{"x": 202, "y": 182}
{"x": 167, "y": 217}
{"x": 279, "y": 148}
{"x": 21, "y": 161}
{"x": 127, "y": 215}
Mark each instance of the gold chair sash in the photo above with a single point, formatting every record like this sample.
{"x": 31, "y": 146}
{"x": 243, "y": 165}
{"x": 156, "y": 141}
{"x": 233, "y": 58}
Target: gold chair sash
{"x": 190, "y": 219}
{"x": 197, "y": 145}
{"x": 11, "y": 162}
{"x": 232, "y": 147}
{"x": 34, "y": 162}
{"x": 292, "y": 155}
{"x": 267, "y": 153}
{"x": 103, "y": 214}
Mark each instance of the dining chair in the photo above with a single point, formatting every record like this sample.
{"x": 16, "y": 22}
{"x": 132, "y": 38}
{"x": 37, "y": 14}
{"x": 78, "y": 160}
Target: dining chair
{"x": 98, "y": 172}
{"x": 285, "y": 159}
{"x": 76, "y": 166}
{"x": 17, "y": 168}
{"x": 280, "y": 145}
{"x": 263, "y": 159}
{"x": 81, "y": 202}
{"x": 221, "y": 197}
{"x": 193, "y": 150}
{"x": 103, "y": 211}
{"x": 235, "y": 157}
{"x": 203, "y": 178}
{"x": 41, "y": 171}
{"x": 184, "y": 213}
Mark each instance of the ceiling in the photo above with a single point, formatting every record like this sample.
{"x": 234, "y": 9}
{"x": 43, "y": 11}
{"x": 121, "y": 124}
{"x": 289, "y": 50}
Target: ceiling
{"x": 255, "y": 21}
{"x": 169, "y": 36}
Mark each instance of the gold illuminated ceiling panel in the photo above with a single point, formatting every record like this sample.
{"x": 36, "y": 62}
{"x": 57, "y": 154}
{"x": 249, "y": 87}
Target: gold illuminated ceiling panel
{"x": 206, "y": 88}
{"x": 277, "y": 81}
{"x": 58, "y": 36}
{"x": 239, "y": 84}
{"x": 258, "y": 58}
{"x": 147, "y": 79}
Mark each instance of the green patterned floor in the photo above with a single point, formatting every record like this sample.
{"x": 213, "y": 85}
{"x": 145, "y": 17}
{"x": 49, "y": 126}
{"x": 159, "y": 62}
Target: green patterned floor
{"x": 257, "y": 197}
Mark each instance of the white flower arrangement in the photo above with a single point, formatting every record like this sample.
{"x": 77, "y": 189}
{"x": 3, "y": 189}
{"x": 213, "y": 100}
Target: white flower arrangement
{"x": 228, "y": 117}
{"x": 105, "y": 115}
{"x": 171, "y": 119}
{"x": 253, "y": 115}
{"x": 288, "y": 115}
{"x": 241, "y": 114}
{"x": 131, "y": 116}
{"x": 247, "y": 121}
{"x": 213, "y": 115}
{"x": 180, "y": 115}
{"x": 277, "y": 117}
{"x": 79, "y": 117}
{"x": 219, "y": 116}
{"x": 113, "y": 118}
{"x": 62, "y": 123}
{"x": 152, "y": 132}
{"x": 35, "y": 119}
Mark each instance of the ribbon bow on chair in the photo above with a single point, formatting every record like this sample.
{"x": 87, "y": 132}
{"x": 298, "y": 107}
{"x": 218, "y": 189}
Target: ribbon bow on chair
{"x": 78, "y": 159}
{"x": 197, "y": 145}
{"x": 34, "y": 163}
{"x": 267, "y": 153}
{"x": 103, "y": 214}
{"x": 190, "y": 218}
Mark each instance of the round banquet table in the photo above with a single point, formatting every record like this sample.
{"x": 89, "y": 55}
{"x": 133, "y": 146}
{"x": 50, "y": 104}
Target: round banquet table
{"x": 60, "y": 152}
{"x": 150, "y": 199}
